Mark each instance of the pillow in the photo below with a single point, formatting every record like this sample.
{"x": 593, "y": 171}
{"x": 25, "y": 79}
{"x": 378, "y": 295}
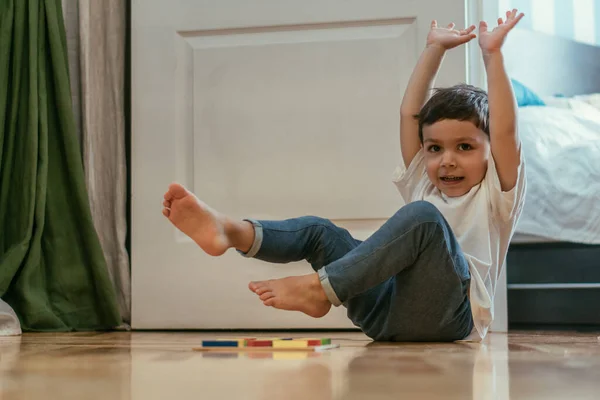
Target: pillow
{"x": 592, "y": 99}
{"x": 557, "y": 101}
{"x": 584, "y": 105}
{"x": 525, "y": 96}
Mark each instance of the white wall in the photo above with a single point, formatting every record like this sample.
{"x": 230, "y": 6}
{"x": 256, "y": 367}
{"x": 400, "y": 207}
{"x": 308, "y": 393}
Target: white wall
{"x": 478, "y": 10}
{"x": 573, "y": 19}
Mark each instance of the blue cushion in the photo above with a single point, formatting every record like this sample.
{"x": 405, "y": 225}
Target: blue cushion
{"x": 525, "y": 96}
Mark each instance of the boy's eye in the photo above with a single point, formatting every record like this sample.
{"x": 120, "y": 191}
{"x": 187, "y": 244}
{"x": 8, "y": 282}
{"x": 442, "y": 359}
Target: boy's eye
{"x": 464, "y": 146}
{"x": 433, "y": 148}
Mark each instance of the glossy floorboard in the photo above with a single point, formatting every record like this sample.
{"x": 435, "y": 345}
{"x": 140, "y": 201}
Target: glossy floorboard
{"x": 146, "y": 365}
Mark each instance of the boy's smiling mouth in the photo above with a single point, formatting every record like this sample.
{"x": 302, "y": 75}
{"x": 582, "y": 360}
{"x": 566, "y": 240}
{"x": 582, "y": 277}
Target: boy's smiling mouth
{"x": 451, "y": 179}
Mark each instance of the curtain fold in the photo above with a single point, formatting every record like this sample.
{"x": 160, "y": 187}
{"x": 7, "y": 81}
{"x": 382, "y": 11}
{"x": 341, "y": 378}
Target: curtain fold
{"x": 96, "y": 39}
{"x": 52, "y": 269}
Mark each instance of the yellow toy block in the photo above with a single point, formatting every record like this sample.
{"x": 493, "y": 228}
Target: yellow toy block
{"x": 289, "y": 344}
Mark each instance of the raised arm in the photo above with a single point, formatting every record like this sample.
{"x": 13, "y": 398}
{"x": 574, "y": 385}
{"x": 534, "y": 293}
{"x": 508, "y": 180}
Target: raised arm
{"x": 421, "y": 82}
{"x": 504, "y": 138}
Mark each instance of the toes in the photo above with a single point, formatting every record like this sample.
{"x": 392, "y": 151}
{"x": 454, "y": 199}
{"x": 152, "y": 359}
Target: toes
{"x": 176, "y": 191}
{"x": 167, "y": 204}
{"x": 254, "y": 286}
{"x": 266, "y": 296}
{"x": 262, "y": 290}
{"x": 270, "y": 302}
{"x": 166, "y": 212}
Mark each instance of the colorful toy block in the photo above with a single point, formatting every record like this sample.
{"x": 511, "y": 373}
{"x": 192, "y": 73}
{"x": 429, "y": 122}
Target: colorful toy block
{"x": 277, "y": 344}
{"x": 220, "y": 343}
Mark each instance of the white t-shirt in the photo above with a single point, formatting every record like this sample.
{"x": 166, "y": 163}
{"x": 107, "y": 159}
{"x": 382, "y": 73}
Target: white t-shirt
{"x": 483, "y": 221}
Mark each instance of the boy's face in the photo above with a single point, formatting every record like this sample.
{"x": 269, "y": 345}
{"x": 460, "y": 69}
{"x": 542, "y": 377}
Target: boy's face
{"x": 456, "y": 155}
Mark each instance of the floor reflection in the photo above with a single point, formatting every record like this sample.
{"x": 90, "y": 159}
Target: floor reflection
{"x": 163, "y": 365}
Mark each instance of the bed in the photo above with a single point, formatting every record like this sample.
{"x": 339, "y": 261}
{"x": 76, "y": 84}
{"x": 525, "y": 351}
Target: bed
{"x": 553, "y": 263}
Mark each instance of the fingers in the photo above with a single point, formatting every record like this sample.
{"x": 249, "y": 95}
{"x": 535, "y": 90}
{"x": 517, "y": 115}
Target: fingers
{"x": 516, "y": 20}
{"x": 451, "y": 25}
{"x": 483, "y": 27}
{"x": 510, "y": 16}
{"x": 467, "y": 38}
{"x": 511, "y": 20}
{"x": 468, "y": 30}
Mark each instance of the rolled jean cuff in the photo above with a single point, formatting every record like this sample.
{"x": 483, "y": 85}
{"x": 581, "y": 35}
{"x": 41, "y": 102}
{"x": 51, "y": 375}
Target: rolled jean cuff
{"x": 258, "y": 239}
{"x": 329, "y": 292}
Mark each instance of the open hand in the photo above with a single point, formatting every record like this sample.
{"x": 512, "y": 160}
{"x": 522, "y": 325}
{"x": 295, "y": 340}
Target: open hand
{"x": 491, "y": 41}
{"x": 449, "y": 37}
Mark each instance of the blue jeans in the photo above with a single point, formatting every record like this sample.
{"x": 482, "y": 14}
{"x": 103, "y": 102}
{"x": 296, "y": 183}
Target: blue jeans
{"x": 407, "y": 282}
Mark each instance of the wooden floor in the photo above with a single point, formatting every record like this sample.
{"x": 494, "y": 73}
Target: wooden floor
{"x": 148, "y": 365}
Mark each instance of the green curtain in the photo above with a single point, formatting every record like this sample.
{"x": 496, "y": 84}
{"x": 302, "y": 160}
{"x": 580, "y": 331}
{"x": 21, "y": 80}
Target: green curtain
{"x": 52, "y": 270}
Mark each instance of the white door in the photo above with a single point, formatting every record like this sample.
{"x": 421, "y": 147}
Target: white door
{"x": 267, "y": 109}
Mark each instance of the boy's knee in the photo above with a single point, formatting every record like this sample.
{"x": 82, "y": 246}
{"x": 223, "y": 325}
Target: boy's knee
{"x": 424, "y": 211}
{"x": 318, "y": 221}
{"x": 320, "y": 226}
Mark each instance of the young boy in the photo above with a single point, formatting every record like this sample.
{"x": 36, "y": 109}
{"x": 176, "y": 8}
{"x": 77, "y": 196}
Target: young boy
{"x": 429, "y": 273}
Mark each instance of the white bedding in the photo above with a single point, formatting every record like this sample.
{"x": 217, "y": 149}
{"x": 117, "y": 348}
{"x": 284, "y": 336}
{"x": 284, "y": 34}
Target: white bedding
{"x": 561, "y": 144}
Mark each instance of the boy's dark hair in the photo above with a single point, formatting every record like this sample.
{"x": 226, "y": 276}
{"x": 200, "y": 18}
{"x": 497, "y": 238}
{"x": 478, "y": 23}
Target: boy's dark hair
{"x": 460, "y": 102}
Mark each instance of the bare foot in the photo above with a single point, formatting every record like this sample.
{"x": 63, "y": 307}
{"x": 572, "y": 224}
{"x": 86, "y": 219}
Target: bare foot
{"x": 295, "y": 293}
{"x": 197, "y": 220}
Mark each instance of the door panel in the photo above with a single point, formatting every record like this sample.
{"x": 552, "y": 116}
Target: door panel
{"x": 268, "y": 110}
